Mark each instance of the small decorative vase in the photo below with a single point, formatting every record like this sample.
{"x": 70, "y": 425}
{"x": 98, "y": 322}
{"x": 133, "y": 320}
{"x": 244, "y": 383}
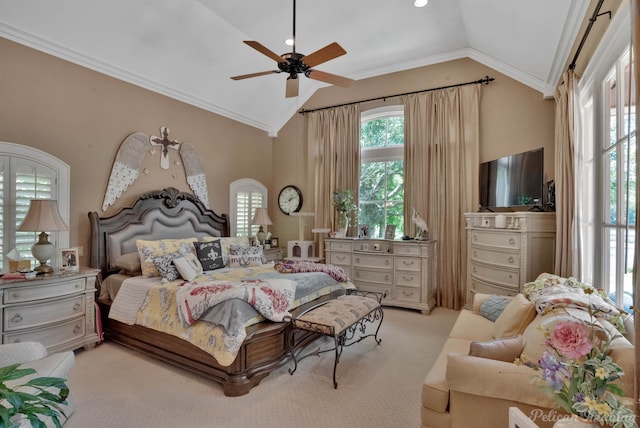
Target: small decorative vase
{"x": 342, "y": 225}
{"x": 574, "y": 421}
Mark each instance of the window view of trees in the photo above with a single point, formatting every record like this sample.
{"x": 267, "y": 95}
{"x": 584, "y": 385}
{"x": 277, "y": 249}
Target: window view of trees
{"x": 381, "y": 200}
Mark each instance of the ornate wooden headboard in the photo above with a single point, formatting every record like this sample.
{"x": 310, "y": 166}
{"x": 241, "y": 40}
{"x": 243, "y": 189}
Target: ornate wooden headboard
{"x": 162, "y": 214}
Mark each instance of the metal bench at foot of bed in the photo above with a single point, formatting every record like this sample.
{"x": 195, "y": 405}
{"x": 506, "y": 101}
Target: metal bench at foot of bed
{"x": 341, "y": 319}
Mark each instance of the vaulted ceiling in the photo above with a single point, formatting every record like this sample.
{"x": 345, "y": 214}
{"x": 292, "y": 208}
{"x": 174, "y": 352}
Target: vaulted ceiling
{"x": 189, "y": 49}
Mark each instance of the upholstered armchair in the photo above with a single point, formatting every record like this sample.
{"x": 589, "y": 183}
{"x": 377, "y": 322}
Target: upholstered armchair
{"x": 35, "y": 356}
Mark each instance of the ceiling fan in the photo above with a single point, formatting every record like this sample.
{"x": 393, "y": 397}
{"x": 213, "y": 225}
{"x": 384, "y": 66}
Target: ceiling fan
{"x": 294, "y": 63}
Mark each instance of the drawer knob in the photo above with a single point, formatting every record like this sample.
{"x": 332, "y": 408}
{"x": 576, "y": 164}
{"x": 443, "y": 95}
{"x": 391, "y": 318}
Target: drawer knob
{"x": 341, "y": 258}
{"x": 406, "y": 293}
{"x": 407, "y": 263}
{"x": 511, "y": 260}
{"x": 386, "y": 277}
{"x": 475, "y": 270}
{"x": 387, "y": 262}
{"x": 357, "y": 259}
{"x": 512, "y": 241}
{"x": 77, "y": 329}
{"x": 77, "y": 306}
{"x": 16, "y": 295}
{"x": 407, "y": 278}
{"x": 357, "y": 274}
{"x": 16, "y": 318}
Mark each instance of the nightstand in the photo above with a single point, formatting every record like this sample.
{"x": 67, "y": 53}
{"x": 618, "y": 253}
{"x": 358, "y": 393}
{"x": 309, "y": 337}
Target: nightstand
{"x": 55, "y": 309}
{"x": 273, "y": 254}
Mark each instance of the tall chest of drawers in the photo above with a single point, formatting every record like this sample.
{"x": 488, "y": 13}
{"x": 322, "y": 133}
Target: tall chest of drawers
{"x": 404, "y": 270}
{"x": 55, "y": 309}
{"x": 501, "y": 260}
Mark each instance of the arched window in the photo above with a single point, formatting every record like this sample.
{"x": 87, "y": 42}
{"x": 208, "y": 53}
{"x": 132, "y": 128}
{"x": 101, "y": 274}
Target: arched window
{"x": 27, "y": 173}
{"x": 246, "y": 194}
{"x": 381, "y": 199}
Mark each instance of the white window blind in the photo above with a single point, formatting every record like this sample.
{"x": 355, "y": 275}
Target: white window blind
{"x": 26, "y": 174}
{"x": 246, "y": 195}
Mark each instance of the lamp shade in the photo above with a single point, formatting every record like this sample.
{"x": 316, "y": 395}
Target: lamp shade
{"x": 43, "y": 216}
{"x": 261, "y": 217}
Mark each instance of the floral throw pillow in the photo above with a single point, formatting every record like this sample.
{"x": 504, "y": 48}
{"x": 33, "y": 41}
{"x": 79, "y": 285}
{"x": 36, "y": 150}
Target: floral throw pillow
{"x": 245, "y": 255}
{"x": 165, "y": 266}
{"x": 150, "y": 249}
{"x": 209, "y": 254}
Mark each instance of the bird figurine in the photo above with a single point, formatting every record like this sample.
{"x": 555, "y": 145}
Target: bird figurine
{"x": 421, "y": 225}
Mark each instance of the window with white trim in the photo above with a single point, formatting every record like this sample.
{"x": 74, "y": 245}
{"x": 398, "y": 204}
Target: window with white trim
{"x": 607, "y": 153}
{"x": 381, "y": 193}
{"x": 27, "y": 173}
{"x": 246, "y": 195}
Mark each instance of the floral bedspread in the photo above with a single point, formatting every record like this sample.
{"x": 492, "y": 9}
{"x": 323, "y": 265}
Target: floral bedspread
{"x": 550, "y": 292}
{"x": 270, "y": 297}
{"x": 221, "y": 338}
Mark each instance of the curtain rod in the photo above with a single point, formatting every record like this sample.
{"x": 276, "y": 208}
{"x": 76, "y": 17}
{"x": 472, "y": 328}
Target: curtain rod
{"x": 485, "y": 80}
{"x": 592, "y": 20}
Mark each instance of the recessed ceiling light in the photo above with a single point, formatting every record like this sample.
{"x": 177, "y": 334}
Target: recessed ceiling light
{"x": 288, "y": 42}
{"x": 420, "y": 3}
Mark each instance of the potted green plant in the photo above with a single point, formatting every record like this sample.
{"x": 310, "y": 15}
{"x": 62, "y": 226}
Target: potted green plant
{"x": 21, "y": 402}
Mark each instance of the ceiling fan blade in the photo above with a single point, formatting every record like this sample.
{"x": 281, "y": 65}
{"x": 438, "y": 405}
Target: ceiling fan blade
{"x": 265, "y": 51}
{"x": 292, "y": 87}
{"x": 325, "y": 54}
{"x": 329, "y": 78}
{"x": 262, "y": 73}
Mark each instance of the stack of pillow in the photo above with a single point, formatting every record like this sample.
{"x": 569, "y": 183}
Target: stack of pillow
{"x": 188, "y": 258}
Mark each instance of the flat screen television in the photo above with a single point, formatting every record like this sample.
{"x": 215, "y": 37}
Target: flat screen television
{"x": 513, "y": 181}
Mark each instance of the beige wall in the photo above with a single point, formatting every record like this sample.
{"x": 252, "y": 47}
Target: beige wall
{"x": 82, "y": 117}
{"x": 513, "y": 118}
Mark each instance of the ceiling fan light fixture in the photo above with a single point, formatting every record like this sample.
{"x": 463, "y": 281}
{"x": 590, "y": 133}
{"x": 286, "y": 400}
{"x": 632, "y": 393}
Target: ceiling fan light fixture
{"x": 420, "y": 3}
{"x": 288, "y": 42}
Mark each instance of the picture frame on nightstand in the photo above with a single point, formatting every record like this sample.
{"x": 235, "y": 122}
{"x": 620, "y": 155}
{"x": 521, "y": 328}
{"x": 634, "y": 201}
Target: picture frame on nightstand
{"x": 69, "y": 259}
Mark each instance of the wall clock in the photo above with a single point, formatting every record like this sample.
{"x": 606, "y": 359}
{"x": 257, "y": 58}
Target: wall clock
{"x": 290, "y": 199}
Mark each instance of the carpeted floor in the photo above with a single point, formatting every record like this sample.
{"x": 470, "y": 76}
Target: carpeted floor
{"x": 378, "y": 386}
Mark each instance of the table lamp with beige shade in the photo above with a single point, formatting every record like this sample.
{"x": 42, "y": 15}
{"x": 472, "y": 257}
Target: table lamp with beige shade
{"x": 43, "y": 216}
{"x": 261, "y": 217}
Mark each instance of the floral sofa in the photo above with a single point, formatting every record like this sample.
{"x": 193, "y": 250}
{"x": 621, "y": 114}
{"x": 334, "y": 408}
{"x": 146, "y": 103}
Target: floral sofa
{"x": 474, "y": 380}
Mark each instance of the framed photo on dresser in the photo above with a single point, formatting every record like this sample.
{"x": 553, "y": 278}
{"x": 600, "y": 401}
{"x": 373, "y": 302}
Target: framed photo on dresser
{"x": 363, "y": 231}
{"x": 390, "y": 231}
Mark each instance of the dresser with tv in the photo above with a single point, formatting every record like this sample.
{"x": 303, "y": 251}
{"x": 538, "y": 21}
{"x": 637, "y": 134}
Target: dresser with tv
{"x": 501, "y": 259}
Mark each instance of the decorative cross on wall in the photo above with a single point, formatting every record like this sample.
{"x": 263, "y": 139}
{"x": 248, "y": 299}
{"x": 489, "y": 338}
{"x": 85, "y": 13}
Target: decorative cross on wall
{"x": 166, "y": 145}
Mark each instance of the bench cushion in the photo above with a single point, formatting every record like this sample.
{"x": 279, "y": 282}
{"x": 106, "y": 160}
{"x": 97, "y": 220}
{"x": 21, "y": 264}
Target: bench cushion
{"x": 337, "y": 315}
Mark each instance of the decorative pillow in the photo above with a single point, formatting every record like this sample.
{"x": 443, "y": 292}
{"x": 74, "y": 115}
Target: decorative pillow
{"x": 129, "y": 262}
{"x": 493, "y": 306}
{"x": 506, "y": 349}
{"x": 515, "y": 318}
{"x": 251, "y": 256}
{"x": 150, "y": 249}
{"x": 209, "y": 254}
{"x": 225, "y": 242}
{"x": 189, "y": 266}
{"x": 164, "y": 265}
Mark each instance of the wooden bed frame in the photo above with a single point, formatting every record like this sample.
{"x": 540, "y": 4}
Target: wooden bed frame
{"x": 167, "y": 214}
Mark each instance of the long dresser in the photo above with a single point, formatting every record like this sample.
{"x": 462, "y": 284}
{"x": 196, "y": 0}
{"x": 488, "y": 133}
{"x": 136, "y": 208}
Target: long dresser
{"x": 55, "y": 309}
{"x": 404, "y": 270}
{"x": 501, "y": 259}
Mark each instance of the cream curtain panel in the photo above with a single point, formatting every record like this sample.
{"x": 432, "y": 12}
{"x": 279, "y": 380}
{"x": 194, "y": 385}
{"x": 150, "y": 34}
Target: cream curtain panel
{"x": 334, "y": 158}
{"x": 565, "y": 168}
{"x": 442, "y": 136}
